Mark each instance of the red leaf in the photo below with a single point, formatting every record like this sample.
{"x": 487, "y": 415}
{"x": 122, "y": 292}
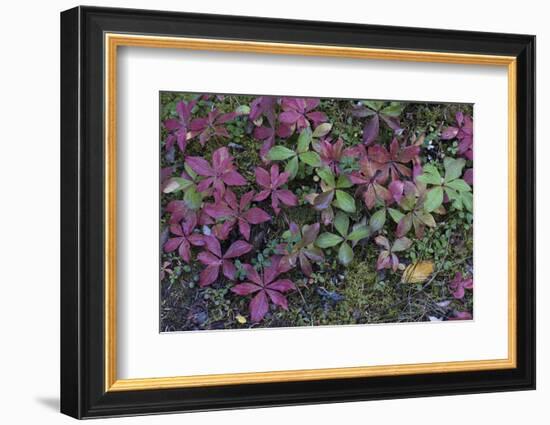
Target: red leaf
{"x": 396, "y": 190}
{"x": 200, "y": 166}
{"x": 252, "y": 274}
{"x": 263, "y": 195}
{"x": 305, "y": 265}
{"x": 222, "y": 231}
{"x": 213, "y": 245}
{"x": 289, "y": 117}
{"x": 379, "y": 154}
{"x": 278, "y": 298}
{"x": 218, "y": 210}
{"x": 408, "y": 154}
{"x": 263, "y": 179}
{"x": 286, "y": 197}
{"x": 256, "y": 216}
{"x": 310, "y": 233}
{"x": 317, "y": 117}
{"x": 196, "y": 239}
{"x": 244, "y": 228}
{"x": 282, "y": 285}
{"x": 209, "y": 275}
{"x": 185, "y": 250}
{"x": 371, "y": 130}
{"x": 172, "y": 244}
{"x": 258, "y": 307}
{"x": 229, "y": 270}
{"x": 271, "y": 272}
{"x": 221, "y": 159}
{"x": 449, "y": 133}
{"x": 246, "y": 199}
{"x": 237, "y": 249}
{"x": 208, "y": 259}
{"x": 233, "y": 178}
{"x": 245, "y": 288}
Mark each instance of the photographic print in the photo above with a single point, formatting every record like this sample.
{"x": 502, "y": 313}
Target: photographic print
{"x": 284, "y": 211}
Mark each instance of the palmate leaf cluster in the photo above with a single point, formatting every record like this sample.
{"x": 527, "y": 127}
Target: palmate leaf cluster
{"x": 260, "y": 195}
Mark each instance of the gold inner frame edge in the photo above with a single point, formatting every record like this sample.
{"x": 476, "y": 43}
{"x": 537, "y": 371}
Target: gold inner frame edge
{"x": 112, "y": 41}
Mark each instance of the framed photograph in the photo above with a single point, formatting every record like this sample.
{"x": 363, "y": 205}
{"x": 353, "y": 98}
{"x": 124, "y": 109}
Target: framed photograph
{"x": 261, "y": 212}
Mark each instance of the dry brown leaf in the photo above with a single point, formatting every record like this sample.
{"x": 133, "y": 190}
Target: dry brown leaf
{"x": 418, "y": 272}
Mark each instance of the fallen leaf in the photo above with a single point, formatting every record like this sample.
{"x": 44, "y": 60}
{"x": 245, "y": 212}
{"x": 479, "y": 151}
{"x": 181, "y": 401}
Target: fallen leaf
{"x": 418, "y": 272}
{"x": 241, "y": 319}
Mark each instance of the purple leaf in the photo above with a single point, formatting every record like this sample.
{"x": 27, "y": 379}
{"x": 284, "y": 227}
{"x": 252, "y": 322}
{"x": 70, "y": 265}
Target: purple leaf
{"x": 258, "y": 306}
{"x": 209, "y": 275}
{"x": 229, "y": 270}
{"x": 200, "y": 166}
{"x": 237, "y": 249}
{"x": 233, "y": 178}
{"x": 278, "y": 298}
{"x": 287, "y": 197}
{"x": 245, "y": 288}
{"x": 208, "y": 259}
{"x": 449, "y": 133}
{"x": 256, "y": 216}
{"x": 371, "y": 130}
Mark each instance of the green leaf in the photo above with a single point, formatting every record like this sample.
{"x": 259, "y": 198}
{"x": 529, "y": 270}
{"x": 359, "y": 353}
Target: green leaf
{"x": 373, "y": 104}
{"x": 459, "y": 185}
{"x": 322, "y": 130}
{"x": 401, "y": 244}
{"x": 434, "y": 198}
{"x": 457, "y": 203}
{"x": 190, "y": 171}
{"x": 192, "y": 198}
{"x": 408, "y": 202}
{"x": 345, "y": 254}
{"x": 430, "y": 175}
{"x": 311, "y": 158}
{"x": 453, "y": 168}
{"x": 304, "y": 140}
{"x": 176, "y": 184}
{"x": 326, "y": 175}
{"x": 280, "y": 153}
{"x": 343, "y": 182}
{"x": 328, "y": 240}
{"x": 292, "y": 167}
{"x": 359, "y": 233}
{"x": 426, "y": 218}
{"x": 243, "y": 110}
{"x": 377, "y": 220}
{"x": 468, "y": 200}
{"x": 395, "y": 214}
{"x": 341, "y": 223}
{"x": 394, "y": 109}
{"x": 345, "y": 201}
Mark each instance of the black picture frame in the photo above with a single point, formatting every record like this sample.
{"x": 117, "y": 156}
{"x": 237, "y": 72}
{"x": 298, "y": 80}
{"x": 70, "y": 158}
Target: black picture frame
{"x": 83, "y": 392}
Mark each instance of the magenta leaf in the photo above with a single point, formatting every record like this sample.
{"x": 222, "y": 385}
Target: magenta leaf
{"x": 371, "y": 130}
{"x": 258, "y": 306}
{"x": 200, "y": 166}
{"x": 267, "y": 288}
{"x": 271, "y": 182}
{"x": 222, "y": 172}
{"x": 210, "y": 126}
{"x": 179, "y": 127}
{"x": 256, "y": 216}
{"x": 209, "y": 275}
{"x": 237, "y": 249}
